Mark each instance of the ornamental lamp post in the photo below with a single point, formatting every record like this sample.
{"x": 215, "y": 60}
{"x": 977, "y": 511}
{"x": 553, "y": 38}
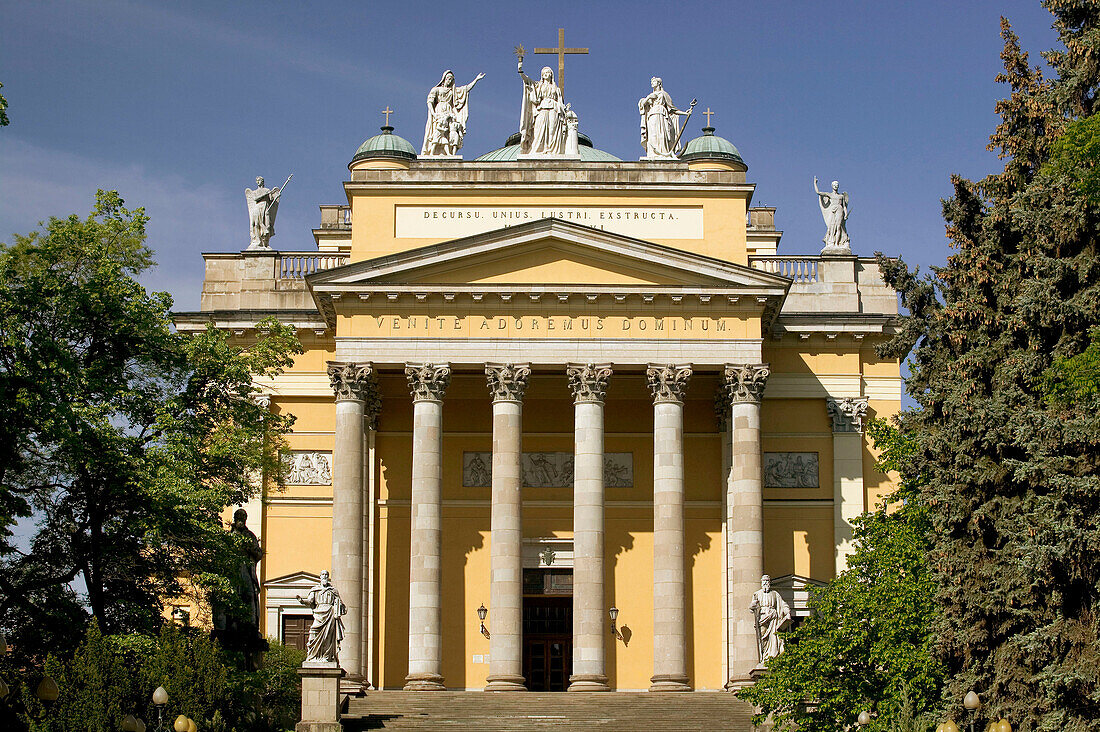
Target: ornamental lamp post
{"x": 1004, "y": 726}
{"x": 864, "y": 718}
{"x": 47, "y": 691}
{"x": 972, "y": 703}
{"x": 949, "y": 726}
{"x": 181, "y": 724}
{"x": 160, "y": 698}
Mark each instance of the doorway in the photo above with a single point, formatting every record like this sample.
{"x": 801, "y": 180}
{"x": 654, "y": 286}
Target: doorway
{"x": 547, "y": 628}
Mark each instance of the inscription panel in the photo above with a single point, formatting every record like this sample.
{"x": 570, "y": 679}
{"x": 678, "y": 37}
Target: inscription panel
{"x": 791, "y": 470}
{"x": 452, "y": 222}
{"x": 547, "y": 469}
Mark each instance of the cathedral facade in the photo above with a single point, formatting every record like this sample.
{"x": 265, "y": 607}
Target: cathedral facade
{"x": 557, "y": 415}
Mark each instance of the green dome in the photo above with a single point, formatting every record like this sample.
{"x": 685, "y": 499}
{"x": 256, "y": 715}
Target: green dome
{"x": 711, "y": 147}
{"x": 386, "y": 145}
{"x": 510, "y": 151}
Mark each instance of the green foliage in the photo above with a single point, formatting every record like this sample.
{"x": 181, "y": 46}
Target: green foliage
{"x": 1075, "y": 156}
{"x": 192, "y": 671}
{"x": 3, "y": 110}
{"x": 123, "y": 439}
{"x": 866, "y": 645}
{"x": 97, "y": 689}
{"x": 1003, "y": 368}
{"x": 111, "y": 676}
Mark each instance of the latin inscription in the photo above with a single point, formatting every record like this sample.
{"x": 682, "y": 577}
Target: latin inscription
{"x": 451, "y": 222}
{"x": 566, "y": 326}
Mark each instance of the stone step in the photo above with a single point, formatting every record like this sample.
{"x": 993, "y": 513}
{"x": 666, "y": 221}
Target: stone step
{"x": 500, "y": 712}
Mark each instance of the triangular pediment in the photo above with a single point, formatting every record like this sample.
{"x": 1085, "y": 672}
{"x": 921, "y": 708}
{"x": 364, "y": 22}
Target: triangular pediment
{"x": 549, "y": 252}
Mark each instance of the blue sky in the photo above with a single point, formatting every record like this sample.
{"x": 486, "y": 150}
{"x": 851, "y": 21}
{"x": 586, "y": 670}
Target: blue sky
{"x": 180, "y": 105}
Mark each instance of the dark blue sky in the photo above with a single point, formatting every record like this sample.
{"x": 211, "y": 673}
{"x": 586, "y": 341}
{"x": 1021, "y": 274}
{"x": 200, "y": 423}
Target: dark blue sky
{"x": 180, "y": 105}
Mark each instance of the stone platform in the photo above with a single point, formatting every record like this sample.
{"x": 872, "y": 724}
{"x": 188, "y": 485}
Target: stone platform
{"x": 507, "y": 711}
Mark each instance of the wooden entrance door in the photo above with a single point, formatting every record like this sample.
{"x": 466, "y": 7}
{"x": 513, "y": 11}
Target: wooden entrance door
{"x": 547, "y": 642}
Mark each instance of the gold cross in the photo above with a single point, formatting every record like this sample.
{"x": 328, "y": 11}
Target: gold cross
{"x": 387, "y": 111}
{"x": 561, "y": 50}
{"x": 708, "y": 113}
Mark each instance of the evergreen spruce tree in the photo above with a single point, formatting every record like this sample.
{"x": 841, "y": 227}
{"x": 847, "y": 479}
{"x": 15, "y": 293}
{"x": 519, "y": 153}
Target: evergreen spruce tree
{"x": 1012, "y": 470}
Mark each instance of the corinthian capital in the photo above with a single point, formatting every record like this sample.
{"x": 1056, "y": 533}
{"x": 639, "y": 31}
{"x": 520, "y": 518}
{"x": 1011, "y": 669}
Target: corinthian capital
{"x": 507, "y": 381}
{"x": 668, "y": 383}
{"x": 428, "y": 381}
{"x": 588, "y": 381}
{"x": 352, "y": 380}
{"x": 847, "y": 413}
{"x": 746, "y": 382}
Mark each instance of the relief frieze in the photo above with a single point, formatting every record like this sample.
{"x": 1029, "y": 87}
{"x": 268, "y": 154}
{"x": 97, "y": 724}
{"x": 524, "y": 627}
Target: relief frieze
{"x": 547, "y": 469}
{"x": 308, "y": 467}
{"x": 791, "y": 470}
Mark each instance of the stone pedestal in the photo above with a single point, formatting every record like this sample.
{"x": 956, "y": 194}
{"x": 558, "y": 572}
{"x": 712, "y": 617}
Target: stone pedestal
{"x": 320, "y": 699}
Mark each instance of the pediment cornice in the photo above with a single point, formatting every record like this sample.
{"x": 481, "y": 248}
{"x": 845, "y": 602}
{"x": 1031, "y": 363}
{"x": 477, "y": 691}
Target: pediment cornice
{"x": 392, "y": 278}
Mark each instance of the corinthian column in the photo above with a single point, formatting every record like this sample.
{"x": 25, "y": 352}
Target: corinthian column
{"x": 668, "y": 384}
{"x": 427, "y": 382}
{"x": 507, "y": 382}
{"x": 746, "y": 512}
{"x": 589, "y": 385}
{"x": 848, "y": 500}
{"x": 355, "y": 388}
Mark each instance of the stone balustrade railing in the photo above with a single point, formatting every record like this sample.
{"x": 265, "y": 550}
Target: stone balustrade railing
{"x": 800, "y": 269}
{"x": 296, "y": 265}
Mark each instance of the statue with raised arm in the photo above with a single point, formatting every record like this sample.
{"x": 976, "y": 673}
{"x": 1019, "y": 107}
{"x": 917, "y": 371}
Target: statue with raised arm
{"x": 323, "y": 645}
{"x": 448, "y": 111}
{"x": 542, "y": 120}
{"x": 834, "y": 209}
{"x": 772, "y": 615}
{"x": 660, "y": 122}
{"x": 263, "y": 204}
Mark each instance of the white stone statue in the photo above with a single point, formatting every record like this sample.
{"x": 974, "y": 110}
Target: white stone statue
{"x": 834, "y": 209}
{"x": 263, "y": 204}
{"x": 323, "y": 646}
{"x": 448, "y": 111}
{"x": 772, "y": 615}
{"x": 542, "y": 120}
{"x": 660, "y": 122}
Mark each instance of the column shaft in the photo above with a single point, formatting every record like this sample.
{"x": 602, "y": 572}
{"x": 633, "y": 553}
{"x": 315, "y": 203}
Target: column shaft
{"x": 354, "y": 388}
{"x": 425, "y": 593}
{"x": 668, "y": 384}
{"x": 347, "y": 527}
{"x": 590, "y": 631}
{"x": 848, "y": 496}
{"x": 506, "y": 383}
{"x": 746, "y": 524}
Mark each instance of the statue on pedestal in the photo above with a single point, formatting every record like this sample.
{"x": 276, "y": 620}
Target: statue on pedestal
{"x": 263, "y": 204}
{"x": 834, "y": 209}
{"x": 660, "y": 123}
{"x": 323, "y": 645}
{"x": 542, "y": 121}
{"x": 448, "y": 111}
{"x": 772, "y": 615}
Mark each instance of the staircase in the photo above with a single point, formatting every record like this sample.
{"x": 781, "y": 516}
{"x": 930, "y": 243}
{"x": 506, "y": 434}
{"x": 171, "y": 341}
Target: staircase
{"x": 507, "y": 711}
